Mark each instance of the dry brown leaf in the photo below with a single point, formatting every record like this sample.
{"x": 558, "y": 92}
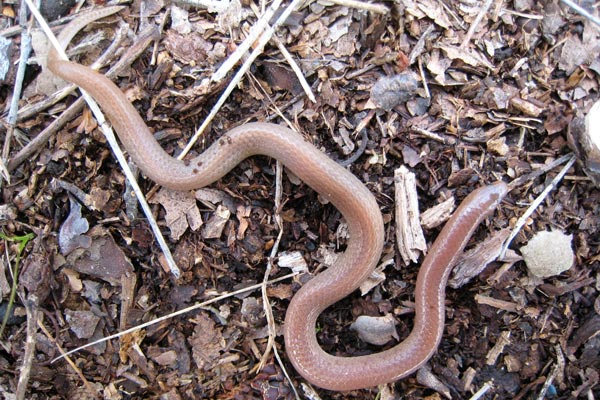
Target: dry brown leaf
{"x": 468, "y": 56}
{"x": 206, "y": 342}
{"x": 82, "y": 323}
{"x": 182, "y": 211}
{"x": 70, "y": 235}
{"x": 576, "y": 51}
{"x": 103, "y": 259}
{"x": 434, "y": 10}
{"x": 214, "y": 226}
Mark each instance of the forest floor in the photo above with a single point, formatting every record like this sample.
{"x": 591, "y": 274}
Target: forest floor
{"x": 460, "y": 93}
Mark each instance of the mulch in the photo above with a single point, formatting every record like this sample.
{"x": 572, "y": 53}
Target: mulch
{"x": 462, "y": 96}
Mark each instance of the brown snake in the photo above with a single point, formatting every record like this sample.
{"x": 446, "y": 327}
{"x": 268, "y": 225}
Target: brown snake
{"x": 341, "y": 188}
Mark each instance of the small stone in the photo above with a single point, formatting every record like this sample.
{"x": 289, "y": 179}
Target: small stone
{"x": 375, "y": 330}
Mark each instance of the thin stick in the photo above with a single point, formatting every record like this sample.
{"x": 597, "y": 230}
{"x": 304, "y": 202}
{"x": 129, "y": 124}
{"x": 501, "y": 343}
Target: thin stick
{"x": 17, "y": 90}
{"x": 376, "y": 8}
{"x": 172, "y": 315}
{"x": 582, "y": 11}
{"x": 265, "y": 297}
{"x": 290, "y": 60}
{"x": 266, "y": 303}
{"x": 211, "y": 5}
{"x": 424, "y": 79}
{"x": 66, "y": 356}
{"x": 523, "y": 219}
{"x": 484, "y": 389}
{"x": 257, "y": 29}
{"x": 110, "y": 138}
{"x": 550, "y": 378}
{"x": 42, "y": 138}
{"x": 33, "y": 313}
{"x": 484, "y": 9}
{"x": 238, "y": 76}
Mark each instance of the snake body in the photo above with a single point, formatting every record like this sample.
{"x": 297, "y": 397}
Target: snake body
{"x": 341, "y": 188}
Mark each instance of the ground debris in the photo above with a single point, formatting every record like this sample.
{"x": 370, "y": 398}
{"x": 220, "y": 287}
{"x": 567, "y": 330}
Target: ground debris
{"x": 461, "y": 95}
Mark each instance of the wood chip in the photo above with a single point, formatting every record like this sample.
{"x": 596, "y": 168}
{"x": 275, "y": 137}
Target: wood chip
{"x": 409, "y": 235}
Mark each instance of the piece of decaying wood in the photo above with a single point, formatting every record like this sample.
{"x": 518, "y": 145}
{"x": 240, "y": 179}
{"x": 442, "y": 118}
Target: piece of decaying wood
{"x": 438, "y": 214}
{"x": 409, "y": 235}
{"x": 137, "y": 48}
{"x": 475, "y": 260}
{"x": 498, "y": 348}
{"x": 127, "y": 296}
{"x": 584, "y": 138}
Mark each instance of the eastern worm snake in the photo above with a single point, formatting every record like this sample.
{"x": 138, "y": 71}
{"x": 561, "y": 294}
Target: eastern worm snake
{"x": 342, "y": 189}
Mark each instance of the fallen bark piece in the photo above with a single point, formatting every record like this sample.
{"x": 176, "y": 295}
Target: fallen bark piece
{"x": 584, "y": 139}
{"x": 409, "y": 235}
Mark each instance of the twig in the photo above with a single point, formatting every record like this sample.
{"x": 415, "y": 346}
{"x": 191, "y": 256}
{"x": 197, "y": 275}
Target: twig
{"x": 424, "y": 79}
{"x": 553, "y": 373}
{"x": 484, "y": 389}
{"x": 520, "y": 14}
{"x": 290, "y": 60}
{"x": 66, "y": 356}
{"x": 419, "y": 47}
{"x": 257, "y": 29}
{"x": 211, "y": 5}
{"x": 110, "y": 138}
{"x": 484, "y": 9}
{"x": 453, "y": 14}
{"x": 434, "y": 136}
{"x": 15, "y": 30}
{"x": 288, "y": 57}
{"x": 17, "y": 90}
{"x": 523, "y": 219}
{"x": 173, "y": 315}
{"x": 266, "y": 36}
{"x": 265, "y": 297}
{"x": 376, "y": 8}
{"x": 263, "y": 289}
{"x": 582, "y": 11}
{"x": 41, "y": 139}
{"x": 520, "y": 181}
{"x": 33, "y": 314}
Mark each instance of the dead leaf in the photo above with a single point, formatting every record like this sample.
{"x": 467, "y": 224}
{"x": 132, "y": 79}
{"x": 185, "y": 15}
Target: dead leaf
{"x": 36, "y": 274}
{"x": 103, "y": 259}
{"x": 206, "y": 342}
{"x": 468, "y": 56}
{"x": 180, "y": 20}
{"x": 576, "y": 52}
{"x": 182, "y": 211}
{"x": 70, "y": 235}
{"x": 188, "y": 48}
{"x": 82, "y": 323}
{"x": 214, "y": 226}
{"x": 293, "y": 260}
